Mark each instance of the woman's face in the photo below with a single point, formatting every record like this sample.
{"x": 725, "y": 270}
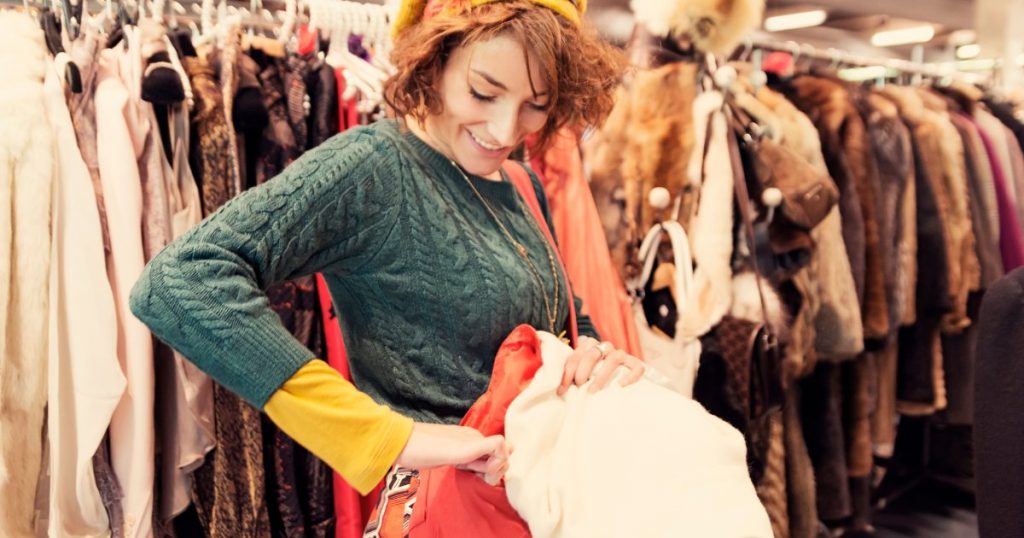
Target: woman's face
{"x": 490, "y": 105}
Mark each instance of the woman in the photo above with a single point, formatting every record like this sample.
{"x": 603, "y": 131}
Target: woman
{"x": 427, "y": 248}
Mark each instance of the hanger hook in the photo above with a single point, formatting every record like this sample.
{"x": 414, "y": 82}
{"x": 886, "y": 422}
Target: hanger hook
{"x": 794, "y": 51}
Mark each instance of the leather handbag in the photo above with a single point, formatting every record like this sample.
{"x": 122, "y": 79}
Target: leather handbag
{"x": 807, "y": 194}
{"x": 766, "y": 355}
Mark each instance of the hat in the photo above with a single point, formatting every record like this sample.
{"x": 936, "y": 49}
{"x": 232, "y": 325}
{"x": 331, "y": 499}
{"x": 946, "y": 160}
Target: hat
{"x": 411, "y": 12}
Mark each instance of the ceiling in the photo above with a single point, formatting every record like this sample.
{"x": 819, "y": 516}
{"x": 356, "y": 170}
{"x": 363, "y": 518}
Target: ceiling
{"x": 849, "y": 25}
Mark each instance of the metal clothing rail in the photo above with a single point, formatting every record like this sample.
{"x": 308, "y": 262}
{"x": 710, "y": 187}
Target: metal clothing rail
{"x": 839, "y": 57}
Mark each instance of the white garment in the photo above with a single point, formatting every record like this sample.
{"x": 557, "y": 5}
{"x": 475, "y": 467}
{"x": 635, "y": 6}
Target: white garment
{"x": 131, "y": 430}
{"x": 640, "y": 460}
{"x": 711, "y": 236}
{"x": 85, "y": 379}
{"x": 27, "y": 174}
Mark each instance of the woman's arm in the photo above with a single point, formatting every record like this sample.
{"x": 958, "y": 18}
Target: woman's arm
{"x": 204, "y": 294}
{"x": 362, "y": 440}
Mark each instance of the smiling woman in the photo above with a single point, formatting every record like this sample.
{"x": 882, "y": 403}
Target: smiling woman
{"x": 527, "y": 69}
{"x": 434, "y": 245}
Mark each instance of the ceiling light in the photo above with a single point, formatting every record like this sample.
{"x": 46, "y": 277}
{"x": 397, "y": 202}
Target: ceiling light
{"x": 792, "y": 21}
{"x": 860, "y": 74}
{"x": 903, "y": 36}
{"x": 963, "y": 37}
{"x": 966, "y": 52}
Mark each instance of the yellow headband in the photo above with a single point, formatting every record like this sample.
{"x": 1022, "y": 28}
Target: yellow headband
{"x": 411, "y": 12}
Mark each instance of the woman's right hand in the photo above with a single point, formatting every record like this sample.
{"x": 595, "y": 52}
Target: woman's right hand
{"x": 433, "y": 445}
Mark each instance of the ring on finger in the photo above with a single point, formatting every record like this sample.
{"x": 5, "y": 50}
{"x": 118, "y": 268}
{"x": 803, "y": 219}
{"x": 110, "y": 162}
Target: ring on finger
{"x": 604, "y": 348}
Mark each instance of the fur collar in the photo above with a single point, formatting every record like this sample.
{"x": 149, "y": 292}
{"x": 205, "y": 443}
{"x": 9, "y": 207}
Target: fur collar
{"x": 714, "y": 26}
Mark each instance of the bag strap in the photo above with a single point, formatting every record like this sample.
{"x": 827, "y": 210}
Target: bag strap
{"x": 520, "y": 178}
{"x": 683, "y": 260}
{"x": 746, "y": 213}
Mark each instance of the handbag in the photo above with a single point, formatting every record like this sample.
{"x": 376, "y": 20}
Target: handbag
{"x": 807, "y": 194}
{"x": 674, "y": 357}
{"x": 766, "y": 390}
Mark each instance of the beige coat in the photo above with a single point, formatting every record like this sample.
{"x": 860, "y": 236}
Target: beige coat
{"x": 85, "y": 379}
{"x": 965, "y": 257}
{"x": 27, "y": 176}
{"x": 132, "y": 434}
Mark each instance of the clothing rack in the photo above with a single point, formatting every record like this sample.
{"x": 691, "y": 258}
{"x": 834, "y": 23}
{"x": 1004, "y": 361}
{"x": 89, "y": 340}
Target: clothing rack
{"x": 838, "y": 57}
{"x": 262, "y": 14}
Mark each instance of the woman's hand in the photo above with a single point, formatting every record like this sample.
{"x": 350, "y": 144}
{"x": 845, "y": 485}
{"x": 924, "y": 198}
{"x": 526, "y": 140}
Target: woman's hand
{"x": 434, "y": 445}
{"x": 581, "y": 363}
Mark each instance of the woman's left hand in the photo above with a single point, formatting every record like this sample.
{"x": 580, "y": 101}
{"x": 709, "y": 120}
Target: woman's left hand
{"x": 588, "y": 354}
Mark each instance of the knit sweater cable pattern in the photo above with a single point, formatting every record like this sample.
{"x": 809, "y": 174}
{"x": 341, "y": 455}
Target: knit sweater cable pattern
{"x": 427, "y": 287}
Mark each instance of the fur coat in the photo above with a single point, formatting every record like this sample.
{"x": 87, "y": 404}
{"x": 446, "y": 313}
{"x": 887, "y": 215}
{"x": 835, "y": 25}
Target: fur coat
{"x": 27, "y": 174}
{"x": 646, "y": 143}
{"x": 710, "y": 229}
{"x": 964, "y": 256}
{"x": 999, "y": 388}
{"x": 851, "y": 163}
{"x": 836, "y": 330}
{"x": 920, "y": 388}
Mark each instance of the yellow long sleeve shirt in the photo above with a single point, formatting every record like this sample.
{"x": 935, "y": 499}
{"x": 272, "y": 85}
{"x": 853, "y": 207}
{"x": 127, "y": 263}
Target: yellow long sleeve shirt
{"x": 325, "y": 413}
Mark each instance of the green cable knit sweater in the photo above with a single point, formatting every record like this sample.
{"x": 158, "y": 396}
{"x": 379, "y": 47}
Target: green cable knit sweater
{"x": 427, "y": 286}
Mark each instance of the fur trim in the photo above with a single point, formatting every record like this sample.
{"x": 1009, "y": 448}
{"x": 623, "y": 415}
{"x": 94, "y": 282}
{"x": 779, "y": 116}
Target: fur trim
{"x": 26, "y": 181}
{"x": 714, "y": 26}
{"x": 746, "y": 302}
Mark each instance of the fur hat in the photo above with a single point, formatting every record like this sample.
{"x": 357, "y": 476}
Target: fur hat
{"x": 411, "y": 12}
{"x": 714, "y": 26}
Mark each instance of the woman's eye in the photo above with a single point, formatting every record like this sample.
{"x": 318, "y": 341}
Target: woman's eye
{"x": 540, "y": 108}
{"x": 481, "y": 97}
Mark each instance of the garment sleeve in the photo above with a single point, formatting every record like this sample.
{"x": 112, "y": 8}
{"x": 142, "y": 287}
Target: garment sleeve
{"x": 204, "y": 294}
{"x": 583, "y": 322}
{"x": 343, "y": 427}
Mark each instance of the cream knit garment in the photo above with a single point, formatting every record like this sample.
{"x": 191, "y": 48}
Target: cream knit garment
{"x": 636, "y": 461}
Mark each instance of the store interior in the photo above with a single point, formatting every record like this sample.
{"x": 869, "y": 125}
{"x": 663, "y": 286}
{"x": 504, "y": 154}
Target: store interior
{"x": 889, "y": 408}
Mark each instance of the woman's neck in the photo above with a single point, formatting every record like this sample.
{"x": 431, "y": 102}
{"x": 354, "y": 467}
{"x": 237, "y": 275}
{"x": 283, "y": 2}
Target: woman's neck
{"x": 423, "y": 132}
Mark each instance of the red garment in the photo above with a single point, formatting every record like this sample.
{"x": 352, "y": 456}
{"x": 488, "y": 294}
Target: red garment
{"x": 521, "y": 179}
{"x": 458, "y": 504}
{"x": 308, "y": 40}
{"x": 348, "y": 115}
{"x": 583, "y": 244}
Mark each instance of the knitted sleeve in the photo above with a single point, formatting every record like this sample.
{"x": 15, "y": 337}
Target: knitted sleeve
{"x": 204, "y": 294}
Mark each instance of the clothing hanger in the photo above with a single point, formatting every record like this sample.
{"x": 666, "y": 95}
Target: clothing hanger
{"x": 205, "y": 32}
{"x": 357, "y": 78}
{"x": 288, "y": 23}
{"x": 368, "y": 78}
{"x": 54, "y": 32}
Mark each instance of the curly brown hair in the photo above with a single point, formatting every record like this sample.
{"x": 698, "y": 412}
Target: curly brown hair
{"x": 581, "y": 71}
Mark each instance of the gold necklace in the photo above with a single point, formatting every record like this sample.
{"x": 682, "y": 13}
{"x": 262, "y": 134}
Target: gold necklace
{"x": 550, "y": 313}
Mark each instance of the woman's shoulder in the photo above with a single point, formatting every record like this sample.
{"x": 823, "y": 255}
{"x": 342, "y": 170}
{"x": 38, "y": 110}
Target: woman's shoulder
{"x": 377, "y": 139}
{"x": 366, "y": 158}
